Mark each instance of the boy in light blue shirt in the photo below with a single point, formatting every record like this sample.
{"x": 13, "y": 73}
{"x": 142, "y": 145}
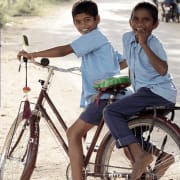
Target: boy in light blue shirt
{"x": 151, "y": 81}
{"x": 99, "y": 61}
{"x": 142, "y": 73}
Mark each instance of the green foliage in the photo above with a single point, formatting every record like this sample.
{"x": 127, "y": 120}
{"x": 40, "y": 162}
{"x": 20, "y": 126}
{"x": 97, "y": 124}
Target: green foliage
{"x": 11, "y": 8}
{"x": 3, "y": 17}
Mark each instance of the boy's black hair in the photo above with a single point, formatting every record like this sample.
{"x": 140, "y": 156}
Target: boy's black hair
{"x": 85, "y": 6}
{"x": 149, "y": 7}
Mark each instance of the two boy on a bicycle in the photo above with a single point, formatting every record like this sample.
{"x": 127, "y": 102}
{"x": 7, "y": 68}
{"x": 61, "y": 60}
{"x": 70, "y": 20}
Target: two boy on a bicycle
{"x": 146, "y": 59}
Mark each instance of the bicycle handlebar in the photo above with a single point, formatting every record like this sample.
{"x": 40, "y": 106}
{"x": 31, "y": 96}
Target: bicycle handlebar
{"x": 45, "y": 64}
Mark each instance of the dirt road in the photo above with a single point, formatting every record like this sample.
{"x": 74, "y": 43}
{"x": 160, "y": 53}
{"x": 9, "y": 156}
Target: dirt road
{"x": 54, "y": 28}
{"x": 42, "y": 33}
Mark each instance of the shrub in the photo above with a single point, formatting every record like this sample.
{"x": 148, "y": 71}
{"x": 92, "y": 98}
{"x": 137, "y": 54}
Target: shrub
{"x": 10, "y": 8}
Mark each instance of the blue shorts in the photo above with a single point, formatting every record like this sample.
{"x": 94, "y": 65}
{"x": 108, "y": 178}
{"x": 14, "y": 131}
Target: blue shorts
{"x": 93, "y": 112}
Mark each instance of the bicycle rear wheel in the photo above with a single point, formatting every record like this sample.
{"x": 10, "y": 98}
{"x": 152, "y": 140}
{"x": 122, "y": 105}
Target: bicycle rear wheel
{"x": 20, "y": 149}
{"x": 113, "y": 162}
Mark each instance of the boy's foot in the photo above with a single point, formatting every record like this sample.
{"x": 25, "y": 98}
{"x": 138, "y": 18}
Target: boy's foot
{"x": 163, "y": 162}
{"x": 140, "y": 164}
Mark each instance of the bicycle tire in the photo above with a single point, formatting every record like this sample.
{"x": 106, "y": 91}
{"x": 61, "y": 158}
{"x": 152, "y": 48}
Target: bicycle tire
{"x": 20, "y": 149}
{"x": 113, "y": 162}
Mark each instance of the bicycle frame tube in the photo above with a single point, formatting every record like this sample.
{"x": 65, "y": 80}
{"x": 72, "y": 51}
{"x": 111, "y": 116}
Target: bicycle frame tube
{"x": 39, "y": 106}
{"x": 93, "y": 142}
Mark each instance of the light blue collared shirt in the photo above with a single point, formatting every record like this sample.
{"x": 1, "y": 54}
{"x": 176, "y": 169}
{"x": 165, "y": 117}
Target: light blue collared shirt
{"x": 142, "y": 73}
{"x": 99, "y": 61}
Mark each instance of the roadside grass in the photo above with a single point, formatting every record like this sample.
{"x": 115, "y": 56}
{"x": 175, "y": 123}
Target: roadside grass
{"x": 12, "y": 8}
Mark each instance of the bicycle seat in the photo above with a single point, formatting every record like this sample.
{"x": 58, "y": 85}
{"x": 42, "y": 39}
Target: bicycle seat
{"x": 115, "y": 82}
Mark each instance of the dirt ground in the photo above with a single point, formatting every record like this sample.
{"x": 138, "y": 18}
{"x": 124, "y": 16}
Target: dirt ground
{"x": 43, "y": 32}
{"x": 65, "y": 88}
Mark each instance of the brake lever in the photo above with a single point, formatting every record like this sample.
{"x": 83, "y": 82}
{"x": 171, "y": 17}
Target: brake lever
{"x": 24, "y": 60}
{"x": 20, "y": 62}
{"x": 19, "y": 69}
{"x": 25, "y": 45}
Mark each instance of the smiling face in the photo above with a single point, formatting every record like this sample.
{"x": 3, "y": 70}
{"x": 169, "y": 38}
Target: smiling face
{"x": 142, "y": 20}
{"x": 85, "y": 22}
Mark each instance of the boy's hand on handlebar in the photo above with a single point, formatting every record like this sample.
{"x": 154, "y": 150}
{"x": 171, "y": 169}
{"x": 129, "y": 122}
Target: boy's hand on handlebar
{"x": 23, "y": 53}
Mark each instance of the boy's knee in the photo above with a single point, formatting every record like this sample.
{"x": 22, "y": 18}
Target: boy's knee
{"x": 73, "y": 133}
{"x": 106, "y": 113}
{"x": 70, "y": 133}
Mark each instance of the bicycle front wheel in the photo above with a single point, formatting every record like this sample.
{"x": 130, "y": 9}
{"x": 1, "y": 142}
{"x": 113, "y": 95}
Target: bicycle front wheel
{"x": 20, "y": 149}
{"x": 164, "y": 144}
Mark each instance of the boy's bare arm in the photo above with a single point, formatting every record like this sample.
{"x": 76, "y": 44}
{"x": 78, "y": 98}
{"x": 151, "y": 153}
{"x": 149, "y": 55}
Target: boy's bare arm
{"x": 123, "y": 64}
{"x": 159, "y": 65}
{"x": 58, "y": 51}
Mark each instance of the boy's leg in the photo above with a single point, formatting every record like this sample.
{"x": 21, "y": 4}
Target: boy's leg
{"x": 75, "y": 134}
{"x": 141, "y": 160}
{"x": 89, "y": 118}
{"x": 116, "y": 117}
{"x": 163, "y": 161}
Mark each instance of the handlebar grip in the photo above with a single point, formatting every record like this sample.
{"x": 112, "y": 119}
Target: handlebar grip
{"x": 25, "y": 59}
{"x": 44, "y": 62}
{"x": 25, "y": 45}
{"x": 25, "y": 40}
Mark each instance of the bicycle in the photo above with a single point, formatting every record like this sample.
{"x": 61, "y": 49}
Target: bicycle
{"x": 154, "y": 127}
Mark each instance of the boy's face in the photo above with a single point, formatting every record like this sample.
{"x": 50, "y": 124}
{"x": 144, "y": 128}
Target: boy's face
{"x": 85, "y": 22}
{"x": 142, "y": 21}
